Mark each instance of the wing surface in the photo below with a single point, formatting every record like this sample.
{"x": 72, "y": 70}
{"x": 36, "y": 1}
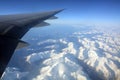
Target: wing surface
{"x": 14, "y": 27}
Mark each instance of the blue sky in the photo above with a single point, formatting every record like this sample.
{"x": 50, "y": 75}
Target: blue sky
{"x": 88, "y": 12}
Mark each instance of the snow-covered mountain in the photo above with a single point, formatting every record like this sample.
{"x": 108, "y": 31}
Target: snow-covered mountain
{"x": 91, "y": 54}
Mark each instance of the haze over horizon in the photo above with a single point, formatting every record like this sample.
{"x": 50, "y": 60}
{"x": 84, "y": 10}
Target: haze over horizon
{"x": 83, "y": 44}
{"x": 88, "y": 12}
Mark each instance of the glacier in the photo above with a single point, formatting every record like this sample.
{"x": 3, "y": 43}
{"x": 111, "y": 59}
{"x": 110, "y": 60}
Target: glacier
{"x": 92, "y": 54}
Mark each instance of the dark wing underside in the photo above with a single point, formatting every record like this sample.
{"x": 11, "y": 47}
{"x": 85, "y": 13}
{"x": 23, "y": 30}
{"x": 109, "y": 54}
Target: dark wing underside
{"x": 13, "y": 28}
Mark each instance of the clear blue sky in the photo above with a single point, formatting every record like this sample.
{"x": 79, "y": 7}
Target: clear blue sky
{"x": 96, "y": 12}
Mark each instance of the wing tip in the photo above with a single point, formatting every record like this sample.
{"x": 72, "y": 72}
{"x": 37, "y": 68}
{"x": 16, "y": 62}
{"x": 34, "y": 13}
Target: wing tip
{"x": 59, "y": 10}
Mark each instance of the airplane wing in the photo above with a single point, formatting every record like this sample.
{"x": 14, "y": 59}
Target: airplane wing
{"x": 14, "y": 27}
